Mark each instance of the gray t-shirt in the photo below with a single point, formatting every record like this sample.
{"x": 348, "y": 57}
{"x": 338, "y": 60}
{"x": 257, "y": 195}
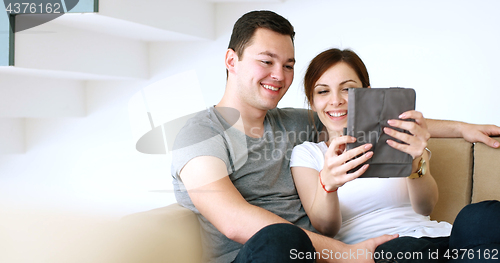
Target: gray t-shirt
{"x": 258, "y": 167}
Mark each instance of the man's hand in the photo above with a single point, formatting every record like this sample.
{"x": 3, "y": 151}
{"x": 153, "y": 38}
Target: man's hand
{"x": 363, "y": 249}
{"x": 481, "y": 133}
{"x": 333, "y": 250}
{"x": 470, "y": 132}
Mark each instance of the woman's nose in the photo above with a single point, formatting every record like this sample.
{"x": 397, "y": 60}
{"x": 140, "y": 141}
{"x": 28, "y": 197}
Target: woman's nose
{"x": 337, "y": 99}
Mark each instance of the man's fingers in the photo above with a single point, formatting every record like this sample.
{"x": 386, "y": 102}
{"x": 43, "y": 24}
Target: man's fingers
{"x": 490, "y": 142}
{"x": 480, "y": 133}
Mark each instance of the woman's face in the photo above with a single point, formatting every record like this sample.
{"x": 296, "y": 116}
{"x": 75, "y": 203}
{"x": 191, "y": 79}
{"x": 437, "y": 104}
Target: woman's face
{"x": 330, "y": 96}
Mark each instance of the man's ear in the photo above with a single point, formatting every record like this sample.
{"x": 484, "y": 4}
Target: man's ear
{"x": 230, "y": 60}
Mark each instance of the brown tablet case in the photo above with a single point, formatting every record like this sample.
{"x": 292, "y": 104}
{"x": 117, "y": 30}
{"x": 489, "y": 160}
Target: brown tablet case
{"x": 369, "y": 110}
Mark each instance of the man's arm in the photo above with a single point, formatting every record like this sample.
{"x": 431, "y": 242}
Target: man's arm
{"x": 218, "y": 200}
{"x": 215, "y": 196}
{"x": 470, "y": 132}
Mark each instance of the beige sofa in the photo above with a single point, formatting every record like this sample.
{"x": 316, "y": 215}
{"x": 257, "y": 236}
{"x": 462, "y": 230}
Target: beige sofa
{"x": 464, "y": 172}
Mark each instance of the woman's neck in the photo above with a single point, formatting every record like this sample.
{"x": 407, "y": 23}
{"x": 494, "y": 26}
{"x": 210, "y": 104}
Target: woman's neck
{"x": 332, "y": 135}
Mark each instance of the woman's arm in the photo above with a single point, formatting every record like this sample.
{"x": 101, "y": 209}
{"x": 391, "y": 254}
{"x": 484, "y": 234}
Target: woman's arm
{"x": 318, "y": 190}
{"x": 321, "y": 207}
{"x": 423, "y": 191}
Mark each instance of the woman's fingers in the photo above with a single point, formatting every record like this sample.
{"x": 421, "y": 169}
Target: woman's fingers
{"x": 345, "y": 157}
{"x": 409, "y": 149}
{"x": 353, "y": 155}
{"x": 338, "y": 163}
{"x": 358, "y": 173}
{"x": 336, "y": 143}
{"x": 414, "y": 143}
{"x": 416, "y": 115}
{"x": 404, "y": 137}
{"x": 356, "y": 162}
{"x": 336, "y": 170}
{"x": 417, "y": 128}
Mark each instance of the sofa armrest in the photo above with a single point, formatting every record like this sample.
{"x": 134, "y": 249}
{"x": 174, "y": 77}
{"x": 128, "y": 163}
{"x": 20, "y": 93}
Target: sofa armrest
{"x": 486, "y": 173}
{"x": 451, "y": 166}
{"x": 167, "y": 234}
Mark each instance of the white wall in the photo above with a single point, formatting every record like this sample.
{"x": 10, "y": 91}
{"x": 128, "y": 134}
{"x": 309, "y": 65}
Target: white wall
{"x": 64, "y": 49}
{"x": 447, "y": 51}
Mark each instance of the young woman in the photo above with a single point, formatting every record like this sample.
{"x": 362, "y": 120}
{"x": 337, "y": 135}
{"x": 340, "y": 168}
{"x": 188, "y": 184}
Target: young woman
{"x": 353, "y": 209}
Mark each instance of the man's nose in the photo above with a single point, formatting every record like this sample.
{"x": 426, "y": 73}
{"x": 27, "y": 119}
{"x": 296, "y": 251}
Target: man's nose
{"x": 277, "y": 73}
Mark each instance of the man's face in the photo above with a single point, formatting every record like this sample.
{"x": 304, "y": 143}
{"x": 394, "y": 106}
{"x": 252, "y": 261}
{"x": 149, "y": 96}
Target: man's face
{"x": 265, "y": 70}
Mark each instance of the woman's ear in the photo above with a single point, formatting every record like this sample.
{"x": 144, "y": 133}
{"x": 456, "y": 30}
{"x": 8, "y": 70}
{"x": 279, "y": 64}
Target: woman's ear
{"x": 230, "y": 60}
{"x": 313, "y": 108}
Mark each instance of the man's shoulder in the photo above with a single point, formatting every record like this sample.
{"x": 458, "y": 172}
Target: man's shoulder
{"x": 202, "y": 135}
{"x": 288, "y": 112}
{"x": 196, "y": 127}
{"x": 290, "y": 116}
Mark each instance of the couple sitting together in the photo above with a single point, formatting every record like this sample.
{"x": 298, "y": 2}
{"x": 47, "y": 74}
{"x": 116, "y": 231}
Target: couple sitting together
{"x": 263, "y": 193}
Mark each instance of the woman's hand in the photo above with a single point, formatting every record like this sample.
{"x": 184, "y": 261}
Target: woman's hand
{"x": 416, "y": 141}
{"x": 338, "y": 162}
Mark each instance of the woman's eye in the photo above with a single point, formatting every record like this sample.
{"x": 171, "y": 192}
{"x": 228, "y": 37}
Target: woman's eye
{"x": 266, "y": 62}
{"x": 289, "y": 67}
{"x": 322, "y": 91}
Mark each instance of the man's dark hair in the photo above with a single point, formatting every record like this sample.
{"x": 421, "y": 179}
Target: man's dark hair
{"x": 245, "y": 27}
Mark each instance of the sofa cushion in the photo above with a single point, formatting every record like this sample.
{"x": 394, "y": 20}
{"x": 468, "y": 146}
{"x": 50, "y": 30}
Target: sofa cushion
{"x": 167, "y": 234}
{"x": 451, "y": 166}
{"x": 486, "y": 173}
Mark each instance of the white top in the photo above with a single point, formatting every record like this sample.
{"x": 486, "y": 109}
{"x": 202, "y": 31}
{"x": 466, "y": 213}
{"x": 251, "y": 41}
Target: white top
{"x": 371, "y": 207}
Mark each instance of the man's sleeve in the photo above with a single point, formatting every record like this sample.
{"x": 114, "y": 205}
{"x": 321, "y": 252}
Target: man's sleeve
{"x": 198, "y": 139}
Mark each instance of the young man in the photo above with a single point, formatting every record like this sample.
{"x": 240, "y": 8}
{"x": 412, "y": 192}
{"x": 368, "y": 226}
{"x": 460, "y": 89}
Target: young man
{"x": 231, "y": 163}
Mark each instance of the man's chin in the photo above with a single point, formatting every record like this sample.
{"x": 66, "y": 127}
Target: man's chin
{"x": 270, "y": 107}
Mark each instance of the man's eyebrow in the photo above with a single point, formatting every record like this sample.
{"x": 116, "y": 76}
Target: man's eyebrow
{"x": 270, "y": 54}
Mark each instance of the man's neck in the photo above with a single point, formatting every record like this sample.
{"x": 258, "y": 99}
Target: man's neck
{"x": 251, "y": 120}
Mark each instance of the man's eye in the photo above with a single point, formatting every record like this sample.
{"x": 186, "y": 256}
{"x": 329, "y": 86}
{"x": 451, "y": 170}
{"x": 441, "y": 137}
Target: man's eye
{"x": 289, "y": 67}
{"x": 266, "y": 62}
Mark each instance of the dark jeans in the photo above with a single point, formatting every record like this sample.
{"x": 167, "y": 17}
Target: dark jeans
{"x": 277, "y": 243}
{"x": 475, "y": 237}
